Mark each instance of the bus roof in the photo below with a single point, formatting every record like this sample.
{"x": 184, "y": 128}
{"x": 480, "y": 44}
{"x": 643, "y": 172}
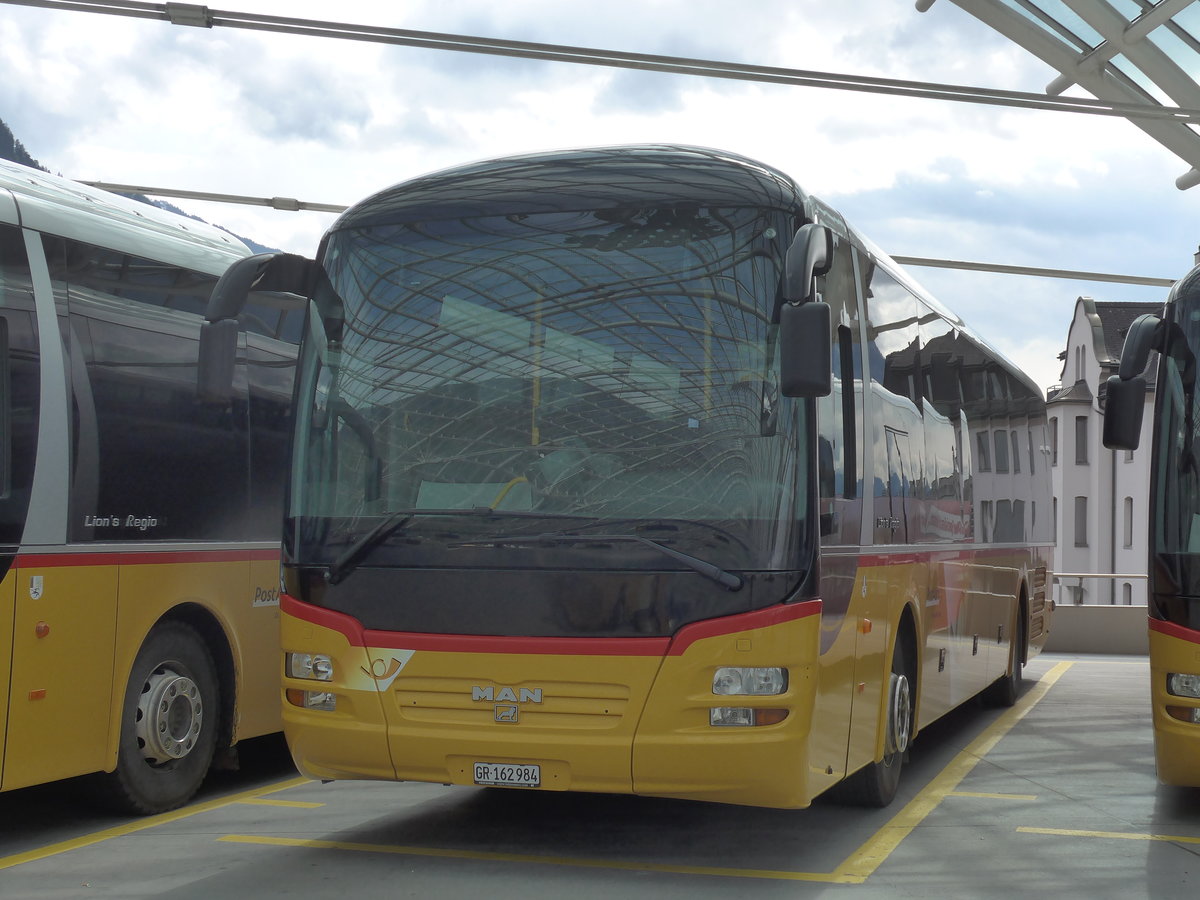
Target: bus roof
{"x": 643, "y": 174}
{"x": 58, "y": 206}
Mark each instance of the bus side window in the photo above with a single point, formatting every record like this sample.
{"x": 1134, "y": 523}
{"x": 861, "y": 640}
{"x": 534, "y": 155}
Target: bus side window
{"x": 896, "y": 434}
{"x": 135, "y": 324}
{"x": 947, "y": 515}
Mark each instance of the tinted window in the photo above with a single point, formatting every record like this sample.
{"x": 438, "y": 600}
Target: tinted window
{"x": 149, "y": 462}
{"x": 19, "y": 385}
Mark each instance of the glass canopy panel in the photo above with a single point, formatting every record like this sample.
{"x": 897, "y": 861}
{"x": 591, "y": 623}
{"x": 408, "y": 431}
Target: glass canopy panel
{"x": 1178, "y": 39}
{"x": 1058, "y": 19}
{"x": 1118, "y": 70}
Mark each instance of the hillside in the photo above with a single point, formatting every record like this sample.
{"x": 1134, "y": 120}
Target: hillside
{"x": 13, "y": 150}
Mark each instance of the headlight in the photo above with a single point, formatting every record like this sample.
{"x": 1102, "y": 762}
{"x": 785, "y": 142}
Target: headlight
{"x": 1183, "y": 685}
{"x": 312, "y": 666}
{"x": 740, "y": 680}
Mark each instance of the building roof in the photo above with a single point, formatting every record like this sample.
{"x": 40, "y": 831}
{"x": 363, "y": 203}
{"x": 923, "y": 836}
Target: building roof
{"x": 1115, "y": 319}
{"x": 1079, "y": 392}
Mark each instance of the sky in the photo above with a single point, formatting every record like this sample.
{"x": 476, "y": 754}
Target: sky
{"x": 104, "y": 98}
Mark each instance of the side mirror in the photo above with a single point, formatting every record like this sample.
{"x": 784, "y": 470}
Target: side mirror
{"x": 810, "y": 254}
{"x": 805, "y": 350}
{"x": 1123, "y": 405}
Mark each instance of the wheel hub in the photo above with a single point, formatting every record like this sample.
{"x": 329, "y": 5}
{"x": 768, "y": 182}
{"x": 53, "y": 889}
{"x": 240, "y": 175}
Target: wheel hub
{"x": 169, "y": 716}
{"x": 899, "y": 715}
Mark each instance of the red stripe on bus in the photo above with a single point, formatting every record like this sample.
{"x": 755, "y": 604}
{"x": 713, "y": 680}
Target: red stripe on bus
{"x": 760, "y": 618}
{"x": 140, "y": 558}
{"x": 1170, "y": 629}
{"x": 350, "y": 628}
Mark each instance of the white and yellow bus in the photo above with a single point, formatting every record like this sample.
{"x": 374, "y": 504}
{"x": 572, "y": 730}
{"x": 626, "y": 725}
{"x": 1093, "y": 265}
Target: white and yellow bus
{"x": 139, "y": 527}
{"x": 1174, "y": 545}
{"x": 637, "y": 470}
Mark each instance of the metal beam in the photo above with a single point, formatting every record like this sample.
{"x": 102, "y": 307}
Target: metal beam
{"x": 192, "y": 15}
{"x": 289, "y": 204}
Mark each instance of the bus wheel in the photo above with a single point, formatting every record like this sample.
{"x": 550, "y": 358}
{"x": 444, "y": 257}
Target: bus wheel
{"x": 876, "y": 783}
{"x": 168, "y": 724}
{"x": 1005, "y": 690}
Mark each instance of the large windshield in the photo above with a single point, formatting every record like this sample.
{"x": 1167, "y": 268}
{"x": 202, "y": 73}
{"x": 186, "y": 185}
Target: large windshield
{"x": 590, "y": 372}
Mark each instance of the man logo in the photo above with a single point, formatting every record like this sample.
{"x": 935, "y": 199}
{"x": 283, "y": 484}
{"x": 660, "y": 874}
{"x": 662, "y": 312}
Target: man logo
{"x": 506, "y": 712}
{"x": 507, "y": 695}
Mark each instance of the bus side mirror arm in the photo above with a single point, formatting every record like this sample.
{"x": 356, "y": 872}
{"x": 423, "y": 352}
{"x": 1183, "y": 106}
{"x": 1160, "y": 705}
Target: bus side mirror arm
{"x": 217, "y": 357}
{"x": 1125, "y": 394}
{"x": 810, "y": 255}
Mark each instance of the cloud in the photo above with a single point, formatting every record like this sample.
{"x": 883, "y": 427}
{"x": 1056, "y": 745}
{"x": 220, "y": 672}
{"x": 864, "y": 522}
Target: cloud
{"x": 235, "y": 111}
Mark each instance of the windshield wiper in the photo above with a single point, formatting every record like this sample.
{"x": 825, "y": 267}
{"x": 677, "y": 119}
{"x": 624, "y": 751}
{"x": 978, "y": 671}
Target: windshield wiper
{"x": 352, "y": 556}
{"x": 665, "y": 524}
{"x": 705, "y": 568}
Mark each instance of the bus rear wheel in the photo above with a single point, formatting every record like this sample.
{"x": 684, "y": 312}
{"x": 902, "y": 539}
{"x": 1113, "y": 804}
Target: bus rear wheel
{"x": 168, "y": 724}
{"x": 1005, "y": 690}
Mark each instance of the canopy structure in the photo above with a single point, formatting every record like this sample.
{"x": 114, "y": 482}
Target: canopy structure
{"x": 1122, "y": 51}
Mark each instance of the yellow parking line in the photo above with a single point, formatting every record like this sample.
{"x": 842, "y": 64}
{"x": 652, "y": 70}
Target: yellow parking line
{"x": 288, "y": 804}
{"x": 866, "y": 859}
{"x": 1119, "y": 835}
{"x": 986, "y": 796}
{"x": 484, "y": 855}
{"x": 142, "y": 824}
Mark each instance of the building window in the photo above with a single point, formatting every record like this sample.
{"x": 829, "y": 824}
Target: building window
{"x": 1016, "y": 457}
{"x": 1079, "y": 363}
{"x": 1128, "y": 521}
{"x": 1001, "y": 441}
{"x": 1127, "y": 594}
{"x": 985, "y": 513}
{"x": 1081, "y": 440}
{"x": 1054, "y": 442}
{"x": 1032, "y": 464}
{"x": 1081, "y": 522}
{"x": 1054, "y": 517}
{"x": 985, "y": 452}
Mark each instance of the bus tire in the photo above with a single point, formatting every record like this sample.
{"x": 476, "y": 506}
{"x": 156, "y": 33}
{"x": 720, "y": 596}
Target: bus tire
{"x": 876, "y": 783}
{"x": 169, "y": 724}
{"x": 1005, "y": 690}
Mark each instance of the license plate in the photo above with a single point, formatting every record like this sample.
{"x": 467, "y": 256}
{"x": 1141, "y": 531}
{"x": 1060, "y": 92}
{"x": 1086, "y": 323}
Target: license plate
{"x": 508, "y": 774}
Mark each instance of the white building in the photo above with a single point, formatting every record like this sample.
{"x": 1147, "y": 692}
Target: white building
{"x": 1100, "y": 495}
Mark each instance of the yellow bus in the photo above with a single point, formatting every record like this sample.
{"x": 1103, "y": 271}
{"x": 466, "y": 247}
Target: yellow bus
{"x": 139, "y": 527}
{"x": 637, "y": 470}
{"x": 1174, "y": 515}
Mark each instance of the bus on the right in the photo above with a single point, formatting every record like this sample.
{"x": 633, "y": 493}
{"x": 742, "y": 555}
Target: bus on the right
{"x": 1174, "y": 544}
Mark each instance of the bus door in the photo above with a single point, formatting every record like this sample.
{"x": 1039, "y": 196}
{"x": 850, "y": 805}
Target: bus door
{"x": 7, "y": 593}
{"x": 882, "y": 583}
{"x": 64, "y": 603}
